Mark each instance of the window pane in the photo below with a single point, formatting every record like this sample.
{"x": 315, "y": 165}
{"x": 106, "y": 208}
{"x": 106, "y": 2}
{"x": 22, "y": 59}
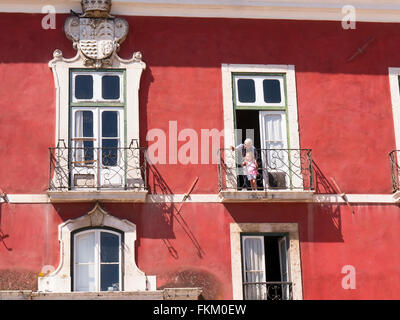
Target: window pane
{"x": 109, "y": 152}
{"x": 84, "y": 87}
{"x": 272, "y": 91}
{"x": 84, "y": 248}
{"x": 109, "y": 121}
{"x": 84, "y": 128}
{"x": 109, "y": 247}
{"x": 110, "y": 87}
{"x": 109, "y": 277}
{"x": 85, "y": 278}
{"x": 246, "y": 90}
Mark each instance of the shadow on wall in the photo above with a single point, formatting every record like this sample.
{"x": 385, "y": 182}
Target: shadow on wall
{"x": 329, "y": 213}
{"x": 191, "y": 278}
{"x": 14, "y": 279}
{"x": 3, "y": 236}
{"x": 171, "y": 212}
{"x": 321, "y": 183}
{"x": 318, "y": 222}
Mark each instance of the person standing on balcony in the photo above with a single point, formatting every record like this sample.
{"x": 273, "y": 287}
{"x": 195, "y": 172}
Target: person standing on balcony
{"x": 250, "y": 164}
{"x": 245, "y": 147}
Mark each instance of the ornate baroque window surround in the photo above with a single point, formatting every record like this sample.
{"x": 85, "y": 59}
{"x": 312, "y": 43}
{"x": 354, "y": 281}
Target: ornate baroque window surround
{"x": 133, "y": 278}
{"x": 96, "y": 51}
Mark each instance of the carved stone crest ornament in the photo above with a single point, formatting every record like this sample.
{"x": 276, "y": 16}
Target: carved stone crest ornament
{"x": 95, "y": 33}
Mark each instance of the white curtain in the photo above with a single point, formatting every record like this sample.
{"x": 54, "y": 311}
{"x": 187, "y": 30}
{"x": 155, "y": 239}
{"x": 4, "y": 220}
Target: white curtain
{"x": 254, "y": 269}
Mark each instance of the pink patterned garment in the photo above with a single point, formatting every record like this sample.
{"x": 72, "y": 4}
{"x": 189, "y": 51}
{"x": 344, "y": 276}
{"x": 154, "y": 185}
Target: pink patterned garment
{"x": 251, "y": 168}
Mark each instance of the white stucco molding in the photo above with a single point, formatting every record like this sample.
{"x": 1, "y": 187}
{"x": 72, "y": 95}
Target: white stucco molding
{"x": 216, "y": 198}
{"x": 294, "y": 254}
{"x": 366, "y": 10}
{"x": 394, "y": 74}
{"x": 133, "y": 278}
{"x": 61, "y": 68}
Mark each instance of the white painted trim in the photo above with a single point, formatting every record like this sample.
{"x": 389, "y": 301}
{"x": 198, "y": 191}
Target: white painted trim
{"x": 104, "y": 195}
{"x": 215, "y": 198}
{"x": 60, "y": 279}
{"x": 227, "y": 91}
{"x": 227, "y": 94}
{"x": 61, "y": 70}
{"x": 367, "y": 10}
{"x": 266, "y": 196}
{"x": 294, "y": 254}
{"x": 394, "y": 74}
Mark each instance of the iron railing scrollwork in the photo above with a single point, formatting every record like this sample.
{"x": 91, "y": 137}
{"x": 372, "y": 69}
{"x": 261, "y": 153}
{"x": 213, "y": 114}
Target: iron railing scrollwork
{"x": 284, "y": 169}
{"x": 267, "y": 291}
{"x": 97, "y": 168}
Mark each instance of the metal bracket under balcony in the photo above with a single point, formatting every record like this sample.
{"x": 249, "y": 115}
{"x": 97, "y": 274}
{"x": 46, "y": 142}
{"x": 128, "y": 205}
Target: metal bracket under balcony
{"x": 282, "y": 175}
{"x": 97, "y": 174}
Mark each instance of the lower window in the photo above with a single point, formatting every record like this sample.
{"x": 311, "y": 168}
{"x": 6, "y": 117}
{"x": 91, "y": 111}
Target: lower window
{"x": 266, "y": 267}
{"x": 97, "y": 260}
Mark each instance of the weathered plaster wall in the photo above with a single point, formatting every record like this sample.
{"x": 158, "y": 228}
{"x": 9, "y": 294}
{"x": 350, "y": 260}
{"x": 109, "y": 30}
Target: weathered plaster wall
{"x": 344, "y": 116}
{"x": 192, "y": 248}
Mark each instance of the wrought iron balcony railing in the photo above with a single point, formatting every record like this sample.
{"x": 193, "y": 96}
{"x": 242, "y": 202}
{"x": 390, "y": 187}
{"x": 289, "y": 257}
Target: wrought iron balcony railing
{"x": 97, "y": 168}
{"x": 267, "y": 291}
{"x": 394, "y": 163}
{"x": 277, "y": 169}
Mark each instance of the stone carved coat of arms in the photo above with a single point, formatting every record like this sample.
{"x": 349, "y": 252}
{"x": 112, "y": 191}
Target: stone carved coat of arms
{"x": 97, "y": 39}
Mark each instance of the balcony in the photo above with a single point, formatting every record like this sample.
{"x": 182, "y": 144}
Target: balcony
{"x": 282, "y": 175}
{"x": 267, "y": 291}
{"x": 89, "y": 174}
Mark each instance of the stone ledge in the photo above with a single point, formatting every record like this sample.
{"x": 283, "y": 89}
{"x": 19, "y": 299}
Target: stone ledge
{"x": 266, "y": 196}
{"x": 98, "y": 195}
{"x": 165, "y": 294}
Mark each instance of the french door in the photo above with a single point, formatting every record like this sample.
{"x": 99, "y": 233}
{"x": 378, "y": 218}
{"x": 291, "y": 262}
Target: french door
{"x": 97, "y": 159}
{"x": 275, "y": 154}
{"x": 255, "y": 272}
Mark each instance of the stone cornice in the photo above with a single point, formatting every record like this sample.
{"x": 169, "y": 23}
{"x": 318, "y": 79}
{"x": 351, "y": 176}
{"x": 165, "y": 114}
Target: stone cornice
{"x": 366, "y": 10}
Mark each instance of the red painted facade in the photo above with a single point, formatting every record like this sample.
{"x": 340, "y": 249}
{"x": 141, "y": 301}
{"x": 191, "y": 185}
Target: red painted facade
{"x": 345, "y": 117}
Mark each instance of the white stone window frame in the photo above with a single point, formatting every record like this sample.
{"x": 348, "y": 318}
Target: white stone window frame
{"x": 228, "y": 72}
{"x": 394, "y": 74}
{"x": 60, "y": 280}
{"x": 237, "y": 229}
{"x": 133, "y": 68}
{"x": 61, "y": 70}
{"x": 227, "y": 94}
